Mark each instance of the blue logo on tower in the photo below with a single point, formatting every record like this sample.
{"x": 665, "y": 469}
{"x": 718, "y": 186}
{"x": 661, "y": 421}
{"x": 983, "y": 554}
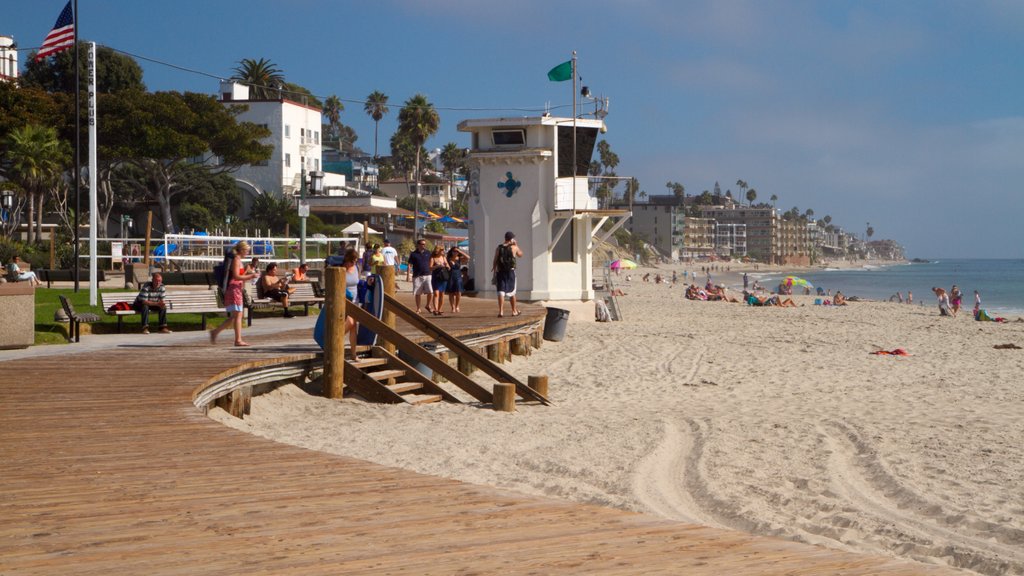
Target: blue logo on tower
{"x": 510, "y": 185}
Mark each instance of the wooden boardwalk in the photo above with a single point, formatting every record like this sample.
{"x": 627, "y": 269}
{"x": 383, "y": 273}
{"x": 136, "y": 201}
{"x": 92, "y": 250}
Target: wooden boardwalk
{"x": 106, "y": 467}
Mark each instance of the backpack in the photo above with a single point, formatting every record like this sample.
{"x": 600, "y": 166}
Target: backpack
{"x": 506, "y": 261}
{"x": 221, "y": 275}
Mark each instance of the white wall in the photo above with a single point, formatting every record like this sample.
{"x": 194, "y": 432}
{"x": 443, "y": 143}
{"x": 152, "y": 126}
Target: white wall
{"x": 281, "y": 117}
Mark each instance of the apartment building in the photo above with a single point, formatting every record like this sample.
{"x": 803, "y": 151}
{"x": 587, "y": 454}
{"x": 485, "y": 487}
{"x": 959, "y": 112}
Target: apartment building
{"x": 661, "y": 221}
{"x": 759, "y": 227}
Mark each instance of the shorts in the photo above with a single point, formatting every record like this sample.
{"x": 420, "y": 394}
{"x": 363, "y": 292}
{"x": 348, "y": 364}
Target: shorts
{"x": 234, "y": 308}
{"x": 505, "y": 283}
{"x": 421, "y": 285}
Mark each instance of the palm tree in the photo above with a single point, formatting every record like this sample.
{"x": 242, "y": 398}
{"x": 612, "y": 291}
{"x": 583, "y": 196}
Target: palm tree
{"x": 333, "y": 109}
{"x": 262, "y": 76}
{"x": 418, "y": 120}
{"x": 827, "y": 219}
{"x": 451, "y": 158}
{"x": 774, "y": 199}
{"x": 742, "y": 185}
{"x": 33, "y": 161}
{"x": 376, "y": 107}
{"x": 870, "y": 231}
{"x": 751, "y": 196}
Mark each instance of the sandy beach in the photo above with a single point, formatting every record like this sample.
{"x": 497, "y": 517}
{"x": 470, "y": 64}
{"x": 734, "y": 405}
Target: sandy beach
{"x": 777, "y": 421}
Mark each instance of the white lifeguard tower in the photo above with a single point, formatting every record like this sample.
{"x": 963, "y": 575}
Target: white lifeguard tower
{"x": 523, "y": 179}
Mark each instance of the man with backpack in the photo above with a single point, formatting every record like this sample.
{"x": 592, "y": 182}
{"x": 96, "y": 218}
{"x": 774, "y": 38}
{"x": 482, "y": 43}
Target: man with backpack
{"x": 504, "y": 270}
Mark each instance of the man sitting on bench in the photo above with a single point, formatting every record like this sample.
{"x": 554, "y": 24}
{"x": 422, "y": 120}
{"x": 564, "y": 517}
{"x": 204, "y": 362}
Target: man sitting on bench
{"x": 151, "y": 297}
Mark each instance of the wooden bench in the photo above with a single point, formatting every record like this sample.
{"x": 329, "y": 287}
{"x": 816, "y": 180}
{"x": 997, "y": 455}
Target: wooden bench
{"x": 75, "y": 319}
{"x": 306, "y": 294}
{"x": 200, "y": 302}
{"x": 51, "y": 276}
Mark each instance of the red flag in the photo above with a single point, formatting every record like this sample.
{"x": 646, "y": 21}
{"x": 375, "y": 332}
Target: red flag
{"x": 61, "y": 37}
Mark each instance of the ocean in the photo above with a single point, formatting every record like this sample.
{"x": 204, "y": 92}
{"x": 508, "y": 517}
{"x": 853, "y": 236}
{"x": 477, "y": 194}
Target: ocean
{"x": 1000, "y": 282}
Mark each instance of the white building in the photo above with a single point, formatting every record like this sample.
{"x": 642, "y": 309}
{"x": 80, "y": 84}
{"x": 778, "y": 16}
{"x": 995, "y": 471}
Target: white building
{"x": 294, "y": 132}
{"x": 8, "y": 59}
{"x": 522, "y": 179}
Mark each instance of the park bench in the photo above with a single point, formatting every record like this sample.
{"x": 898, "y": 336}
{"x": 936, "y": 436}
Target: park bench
{"x": 200, "y": 302}
{"x": 75, "y": 319}
{"x": 50, "y": 276}
{"x": 306, "y": 294}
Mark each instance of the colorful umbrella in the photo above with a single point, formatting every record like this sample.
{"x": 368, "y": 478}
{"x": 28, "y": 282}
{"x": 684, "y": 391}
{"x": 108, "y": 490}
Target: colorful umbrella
{"x": 622, "y": 263}
{"x": 790, "y": 281}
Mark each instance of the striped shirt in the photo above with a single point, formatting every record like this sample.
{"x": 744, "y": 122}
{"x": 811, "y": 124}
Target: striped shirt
{"x": 151, "y": 294}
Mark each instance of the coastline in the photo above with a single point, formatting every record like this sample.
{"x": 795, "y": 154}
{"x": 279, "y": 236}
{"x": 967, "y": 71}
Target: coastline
{"x": 769, "y": 420}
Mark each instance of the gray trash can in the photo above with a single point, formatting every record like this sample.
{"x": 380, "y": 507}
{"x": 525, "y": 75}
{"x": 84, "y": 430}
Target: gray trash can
{"x": 416, "y": 364}
{"x": 554, "y": 324}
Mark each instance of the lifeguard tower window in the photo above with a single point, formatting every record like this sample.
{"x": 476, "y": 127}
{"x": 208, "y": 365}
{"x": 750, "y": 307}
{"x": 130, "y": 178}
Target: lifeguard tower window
{"x": 586, "y": 139}
{"x": 509, "y": 138}
{"x": 564, "y": 251}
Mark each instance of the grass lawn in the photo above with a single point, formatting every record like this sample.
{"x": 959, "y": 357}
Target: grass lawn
{"x": 49, "y": 331}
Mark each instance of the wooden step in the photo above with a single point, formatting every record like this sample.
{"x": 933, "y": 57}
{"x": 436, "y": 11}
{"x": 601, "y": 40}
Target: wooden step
{"x": 422, "y": 398}
{"x": 382, "y": 375}
{"x": 403, "y": 387}
{"x": 364, "y": 363}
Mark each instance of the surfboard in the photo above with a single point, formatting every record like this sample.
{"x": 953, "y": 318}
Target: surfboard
{"x": 372, "y": 301}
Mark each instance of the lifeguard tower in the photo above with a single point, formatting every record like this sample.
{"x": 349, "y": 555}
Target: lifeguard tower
{"x": 529, "y": 175}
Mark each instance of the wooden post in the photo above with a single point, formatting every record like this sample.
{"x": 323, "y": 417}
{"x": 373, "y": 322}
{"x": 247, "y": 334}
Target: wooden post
{"x": 53, "y": 251}
{"x": 334, "y": 332}
{"x": 539, "y": 384}
{"x": 437, "y": 377}
{"x": 494, "y": 353}
{"x": 505, "y": 397}
{"x": 387, "y": 277}
{"x": 149, "y": 236}
{"x": 366, "y": 233}
{"x": 465, "y": 366}
{"x": 503, "y": 354}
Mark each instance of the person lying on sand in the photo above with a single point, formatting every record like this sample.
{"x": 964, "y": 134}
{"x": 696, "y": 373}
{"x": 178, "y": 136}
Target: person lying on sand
{"x": 839, "y": 299}
{"x": 772, "y": 300}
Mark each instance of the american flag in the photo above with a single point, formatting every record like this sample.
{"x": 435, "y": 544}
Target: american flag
{"x": 61, "y": 37}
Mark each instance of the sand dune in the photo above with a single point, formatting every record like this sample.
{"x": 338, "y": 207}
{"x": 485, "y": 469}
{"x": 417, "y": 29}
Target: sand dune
{"x": 769, "y": 420}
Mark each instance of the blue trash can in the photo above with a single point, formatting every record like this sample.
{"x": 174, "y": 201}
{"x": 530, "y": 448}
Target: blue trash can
{"x": 554, "y": 324}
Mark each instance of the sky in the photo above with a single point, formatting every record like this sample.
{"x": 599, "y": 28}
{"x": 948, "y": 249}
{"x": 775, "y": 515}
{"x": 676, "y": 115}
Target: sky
{"x": 907, "y": 114}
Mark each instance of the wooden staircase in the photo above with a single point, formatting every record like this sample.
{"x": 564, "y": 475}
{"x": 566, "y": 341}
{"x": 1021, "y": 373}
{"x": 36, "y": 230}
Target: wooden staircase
{"x": 385, "y": 378}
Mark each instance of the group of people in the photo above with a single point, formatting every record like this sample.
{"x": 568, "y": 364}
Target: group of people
{"x": 950, "y": 302}
{"x": 435, "y": 273}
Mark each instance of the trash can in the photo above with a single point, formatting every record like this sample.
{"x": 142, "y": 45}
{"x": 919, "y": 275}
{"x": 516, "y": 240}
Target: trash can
{"x": 416, "y": 364}
{"x": 554, "y": 324}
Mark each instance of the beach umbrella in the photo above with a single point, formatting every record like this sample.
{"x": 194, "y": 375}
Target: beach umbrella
{"x": 464, "y": 244}
{"x": 790, "y": 281}
{"x": 356, "y": 228}
{"x": 622, "y": 263}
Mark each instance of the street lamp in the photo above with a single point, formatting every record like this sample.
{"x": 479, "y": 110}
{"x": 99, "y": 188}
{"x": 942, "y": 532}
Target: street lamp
{"x": 7, "y": 199}
{"x": 126, "y": 225}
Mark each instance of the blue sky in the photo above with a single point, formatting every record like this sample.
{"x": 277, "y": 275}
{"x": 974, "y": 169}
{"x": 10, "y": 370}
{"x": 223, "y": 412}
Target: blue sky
{"x": 905, "y": 114}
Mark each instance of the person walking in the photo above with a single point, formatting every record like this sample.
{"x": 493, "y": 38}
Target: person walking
{"x": 419, "y": 269}
{"x": 504, "y": 270}
{"x": 456, "y": 258}
{"x": 390, "y": 254}
{"x": 440, "y": 273}
{"x": 237, "y": 274}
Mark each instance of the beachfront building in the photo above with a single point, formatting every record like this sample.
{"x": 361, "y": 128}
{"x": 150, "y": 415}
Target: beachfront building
{"x": 793, "y": 247}
{"x": 528, "y": 175}
{"x": 8, "y": 59}
{"x": 660, "y": 221}
{"x": 730, "y": 239}
{"x": 759, "y": 225}
{"x": 699, "y": 239}
{"x": 294, "y": 133}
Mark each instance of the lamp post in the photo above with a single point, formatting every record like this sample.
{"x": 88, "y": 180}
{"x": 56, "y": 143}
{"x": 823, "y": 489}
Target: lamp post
{"x": 303, "y": 212}
{"x": 7, "y": 201}
{"x": 126, "y": 225}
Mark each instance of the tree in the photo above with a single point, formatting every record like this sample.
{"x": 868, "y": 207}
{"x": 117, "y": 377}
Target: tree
{"x": 632, "y": 187}
{"x": 808, "y": 214}
{"x": 751, "y": 196}
{"x": 870, "y": 231}
{"x": 678, "y": 190}
{"x": 418, "y": 120}
{"x": 262, "y": 76}
{"x": 453, "y": 159}
{"x": 271, "y": 211}
{"x": 332, "y": 113}
{"x": 216, "y": 194}
{"x": 115, "y": 72}
{"x": 163, "y": 134}
{"x": 376, "y": 107}
{"x": 827, "y": 219}
{"x": 33, "y": 160}
{"x": 774, "y": 199}
{"x": 742, "y": 185}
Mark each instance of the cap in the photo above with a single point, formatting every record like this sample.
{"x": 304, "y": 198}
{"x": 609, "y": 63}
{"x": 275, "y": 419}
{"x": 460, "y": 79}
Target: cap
{"x": 387, "y": 241}
{"x": 509, "y": 235}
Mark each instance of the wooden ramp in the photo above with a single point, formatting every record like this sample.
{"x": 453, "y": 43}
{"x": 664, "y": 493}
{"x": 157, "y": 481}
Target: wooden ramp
{"x": 107, "y": 467}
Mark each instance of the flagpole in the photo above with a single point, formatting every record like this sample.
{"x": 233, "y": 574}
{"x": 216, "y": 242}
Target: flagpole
{"x": 93, "y": 209}
{"x": 78, "y": 152}
{"x": 573, "y": 133}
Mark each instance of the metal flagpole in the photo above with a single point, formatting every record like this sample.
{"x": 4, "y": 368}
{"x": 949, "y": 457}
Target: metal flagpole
{"x": 78, "y": 153}
{"x": 574, "y": 133}
{"x": 93, "y": 209}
